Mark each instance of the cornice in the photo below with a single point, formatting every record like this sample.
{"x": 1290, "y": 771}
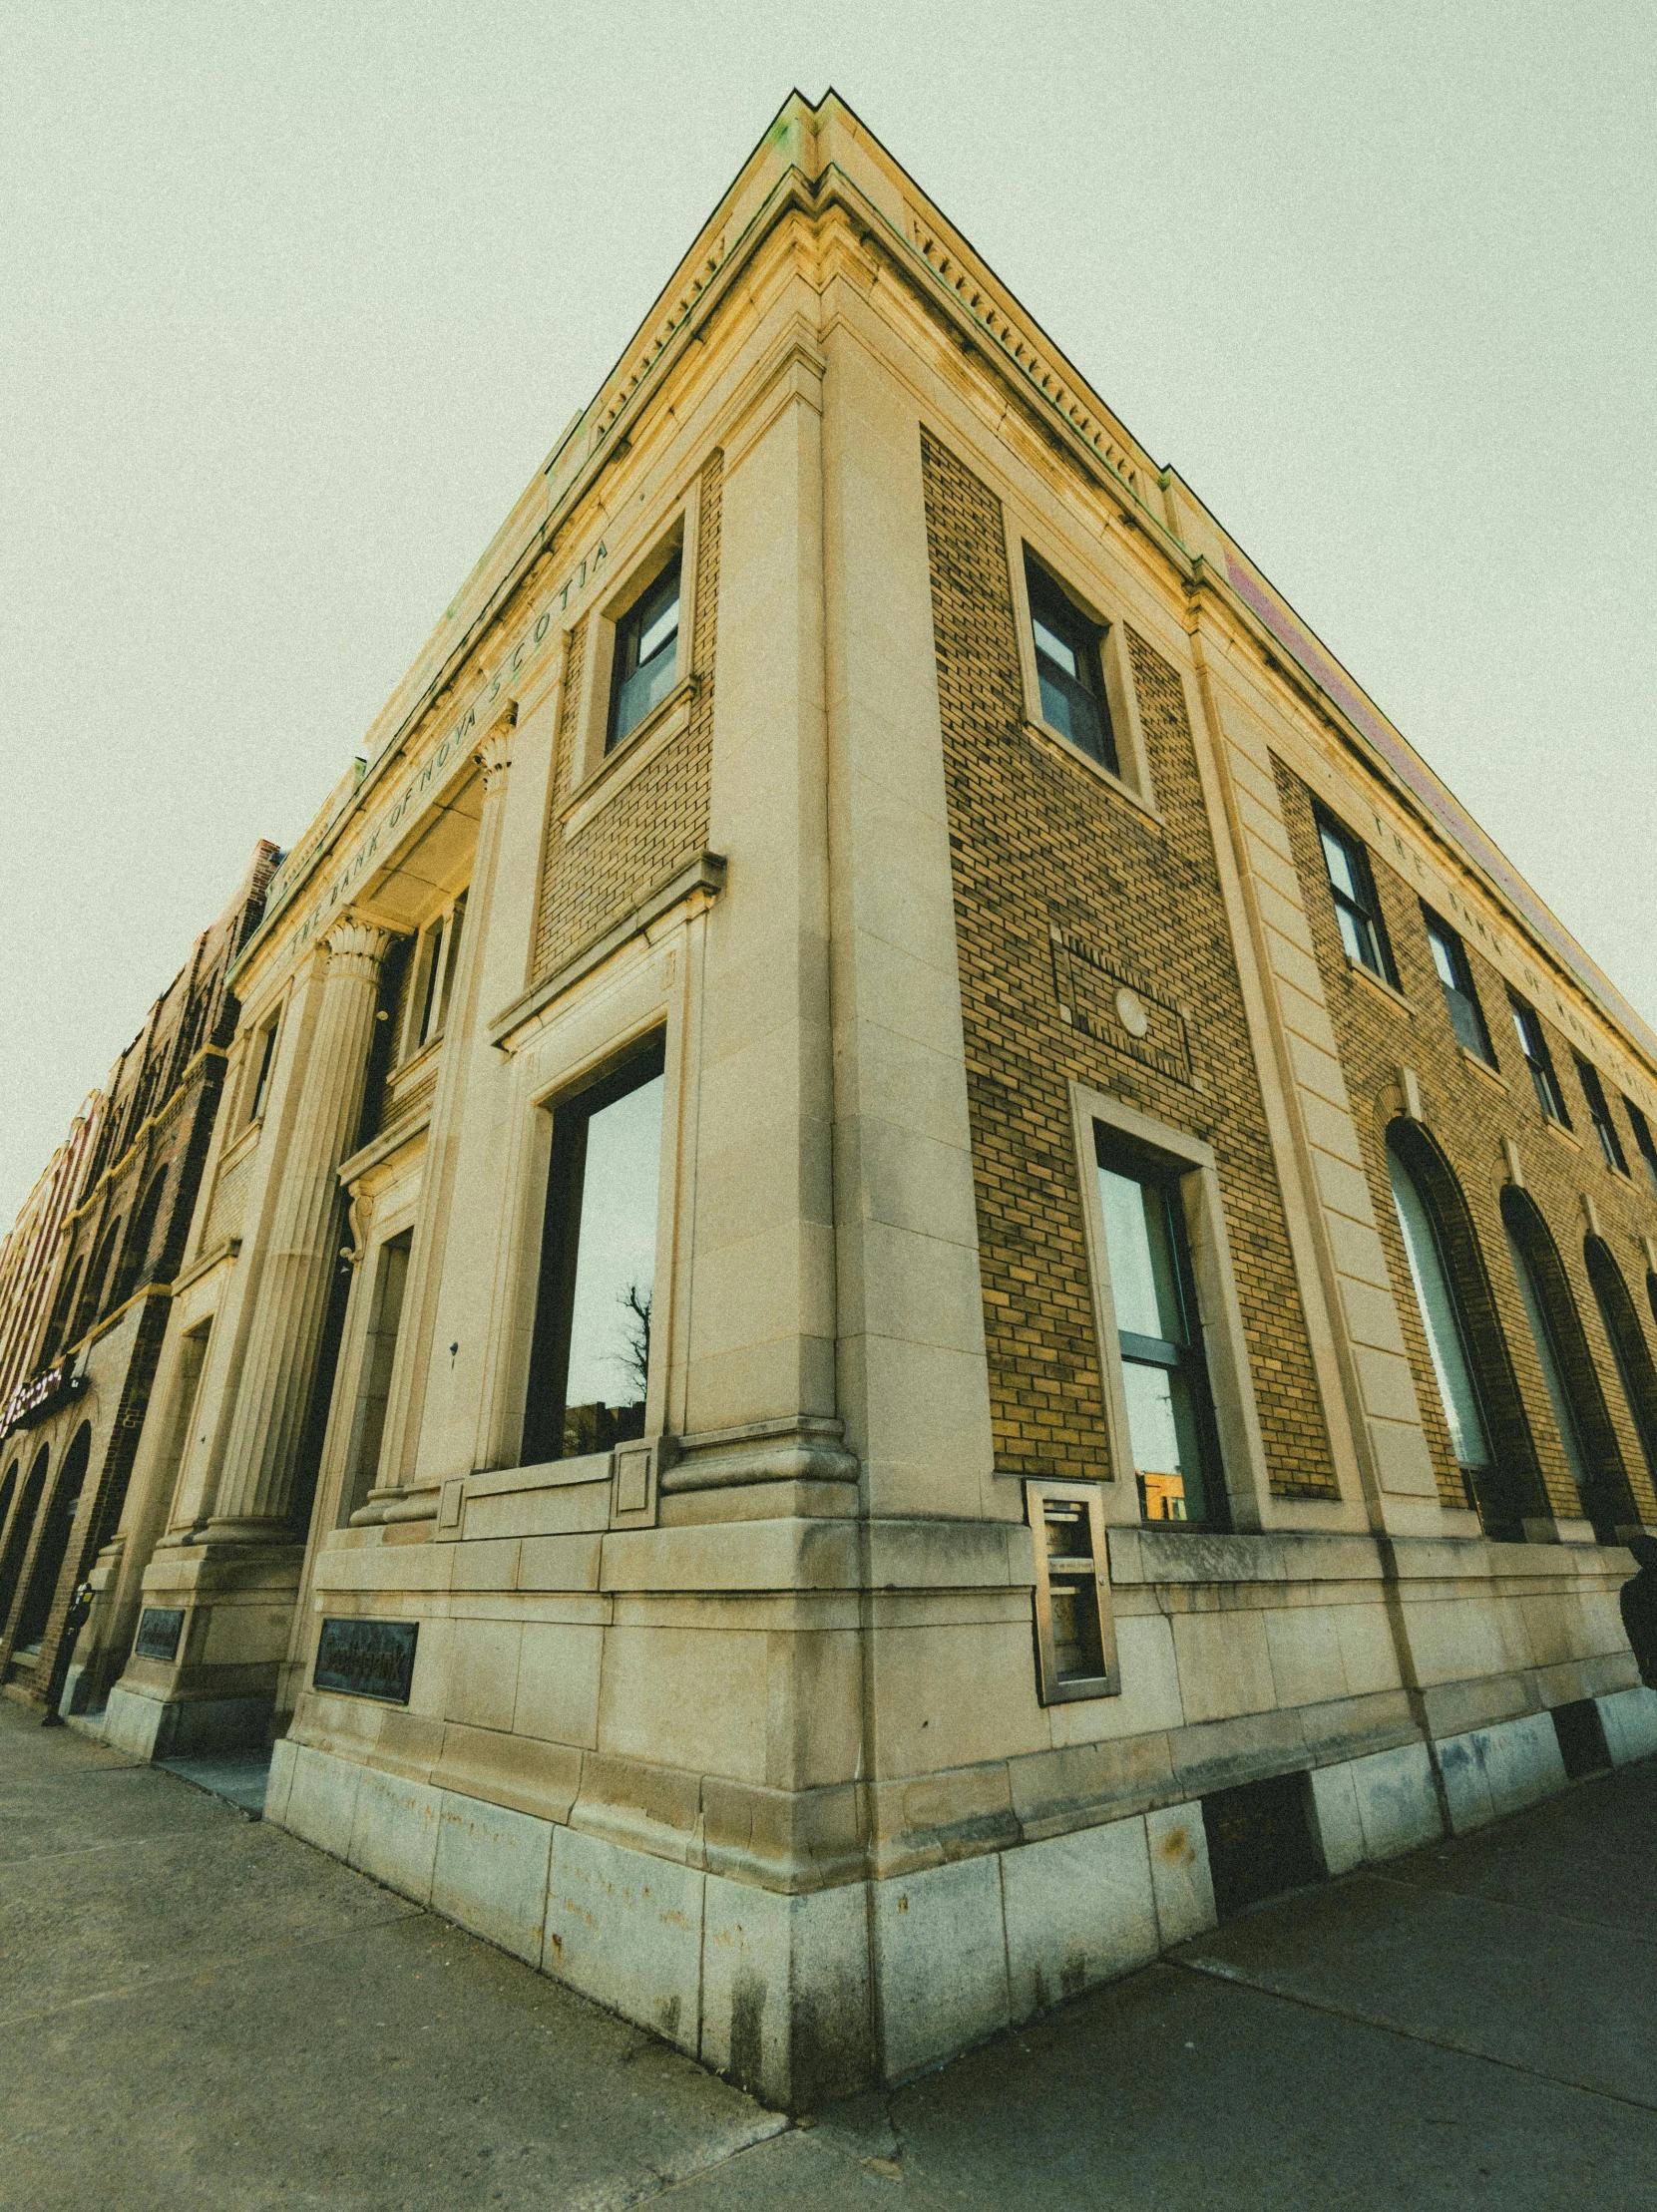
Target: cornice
{"x": 913, "y": 242}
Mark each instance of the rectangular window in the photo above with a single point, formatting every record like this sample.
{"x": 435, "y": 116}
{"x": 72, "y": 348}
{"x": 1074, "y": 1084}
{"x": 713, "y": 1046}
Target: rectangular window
{"x": 1170, "y": 1413}
{"x": 1599, "y": 1113}
{"x": 374, "y": 1387}
{"x": 1069, "y": 667}
{"x": 435, "y": 959}
{"x": 1449, "y": 958}
{"x": 1643, "y": 1139}
{"x": 264, "y": 1053}
{"x": 1539, "y": 1060}
{"x": 590, "y": 1364}
{"x": 647, "y": 654}
{"x": 1075, "y": 1636}
{"x": 1357, "y": 909}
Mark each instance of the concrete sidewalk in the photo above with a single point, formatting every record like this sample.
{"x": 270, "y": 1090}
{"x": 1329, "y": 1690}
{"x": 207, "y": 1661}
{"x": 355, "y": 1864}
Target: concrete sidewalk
{"x": 198, "y": 2011}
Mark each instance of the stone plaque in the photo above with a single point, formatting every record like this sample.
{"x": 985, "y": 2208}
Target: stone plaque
{"x": 367, "y": 1658}
{"x": 159, "y": 1631}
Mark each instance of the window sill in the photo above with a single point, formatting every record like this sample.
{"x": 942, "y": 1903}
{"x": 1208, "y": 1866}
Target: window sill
{"x": 1483, "y": 1068}
{"x": 1378, "y": 984}
{"x": 383, "y": 1147}
{"x": 1047, "y": 736}
{"x": 1567, "y": 1137}
{"x": 242, "y": 1145}
{"x": 636, "y": 751}
{"x": 407, "y": 1073}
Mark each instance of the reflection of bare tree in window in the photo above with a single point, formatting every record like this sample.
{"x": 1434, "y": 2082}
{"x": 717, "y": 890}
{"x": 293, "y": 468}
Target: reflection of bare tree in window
{"x": 636, "y": 1303}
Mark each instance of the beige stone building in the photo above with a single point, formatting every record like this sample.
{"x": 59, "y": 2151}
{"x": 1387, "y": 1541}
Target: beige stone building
{"x": 915, "y": 1266}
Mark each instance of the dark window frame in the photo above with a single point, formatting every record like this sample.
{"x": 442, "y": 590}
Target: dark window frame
{"x": 1527, "y": 1026}
{"x": 1644, "y": 1143}
{"x": 432, "y": 970}
{"x": 1630, "y": 1354}
{"x": 1361, "y": 908}
{"x": 1461, "y": 1001}
{"x": 1120, "y": 1155}
{"x": 1599, "y": 1115}
{"x": 267, "y": 1060}
{"x": 649, "y": 607}
{"x": 545, "y": 1408}
{"x": 1053, "y": 609}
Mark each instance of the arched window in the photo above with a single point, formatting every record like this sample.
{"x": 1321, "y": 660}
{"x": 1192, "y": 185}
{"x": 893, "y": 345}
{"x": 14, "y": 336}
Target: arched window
{"x": 63, "y": 1309}
{"x": 1629, "y": 1349}
{"x": 135, "y": 1268}
{"x": 1568, "y": 1373}
{"x": 17, "y": 1538}
{"x": 98, "y": 1282}
{"x": 56, "y": 1529}
{"x": 1482, "y": 1411}
{"x": 8, "y": 1489}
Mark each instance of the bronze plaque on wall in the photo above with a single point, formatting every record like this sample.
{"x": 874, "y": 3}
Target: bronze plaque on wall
{"x": 367, "y": 1658}
{"x": 159, "y": 1631}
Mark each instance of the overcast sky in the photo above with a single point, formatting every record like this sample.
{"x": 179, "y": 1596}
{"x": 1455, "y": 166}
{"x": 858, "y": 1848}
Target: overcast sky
{"x": 298, "y": 297}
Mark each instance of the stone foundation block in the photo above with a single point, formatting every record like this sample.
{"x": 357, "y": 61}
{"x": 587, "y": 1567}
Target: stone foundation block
{"x": 394, "y": 1833}
{"x": 323, "y": 1801}
{"x": 1489, "y": 1772}
{"x": 489, "y": 1872}
{"x": 785, "y": 1991}
{"x": 279, "y": 1782}
{"x": 1340, "y": 1824}
{"x": 156, "y": 1729}
{"x": 1079, "y": 1909}
{"x": 1180, "y": 1878}
{"x": 626, "y": 1929}
{"x": 1398, "y": 1806}
{"x": 1630, "y": 1722}
{"x": 941, "y": 1954}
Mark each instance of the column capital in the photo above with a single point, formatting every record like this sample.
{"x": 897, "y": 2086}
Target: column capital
{"x": 494, "y": 755}
{"x": 356, "y": 947}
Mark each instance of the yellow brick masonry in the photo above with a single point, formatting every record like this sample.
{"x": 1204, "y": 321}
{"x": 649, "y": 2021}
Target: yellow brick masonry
{"x": 658, "y": 821}
{"x": 1470, "y": 1113}
{"x": 1039, "y": 842}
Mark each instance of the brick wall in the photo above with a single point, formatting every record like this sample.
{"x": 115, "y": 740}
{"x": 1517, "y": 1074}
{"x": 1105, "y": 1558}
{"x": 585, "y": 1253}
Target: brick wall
{"x": 1467, "y": 1114}
{"x": 658, "y": 821}
{"x": 1040, "y": 843}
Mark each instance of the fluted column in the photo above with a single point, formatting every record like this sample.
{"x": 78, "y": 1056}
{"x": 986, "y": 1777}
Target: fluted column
{"x": 255, "y": 1487}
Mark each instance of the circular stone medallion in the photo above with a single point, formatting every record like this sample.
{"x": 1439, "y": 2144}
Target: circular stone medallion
{"x": 1130, "y": 1013}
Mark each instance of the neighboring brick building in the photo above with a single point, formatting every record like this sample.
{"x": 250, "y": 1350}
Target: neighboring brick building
{"x": 70, "y": 1429}
{"x": 855, "y": 1343}
{"x": 29, "y": 1252}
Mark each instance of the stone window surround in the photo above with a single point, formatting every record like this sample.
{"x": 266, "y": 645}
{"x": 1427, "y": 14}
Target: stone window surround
{"x": 675, "y": 533}
{"x": 1224, "y": 1343}
{"x": 438, "y": 923}
{"x": 600, "y": 1025}
{"x": 1026, "y": 534}
{"x": 392, "y": 1217}
{"x": 269, "y": 1027}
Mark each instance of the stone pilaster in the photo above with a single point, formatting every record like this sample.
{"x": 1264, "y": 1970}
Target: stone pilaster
{"x": 255, "y": 1487}
{"x": 401, "y": 1494}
